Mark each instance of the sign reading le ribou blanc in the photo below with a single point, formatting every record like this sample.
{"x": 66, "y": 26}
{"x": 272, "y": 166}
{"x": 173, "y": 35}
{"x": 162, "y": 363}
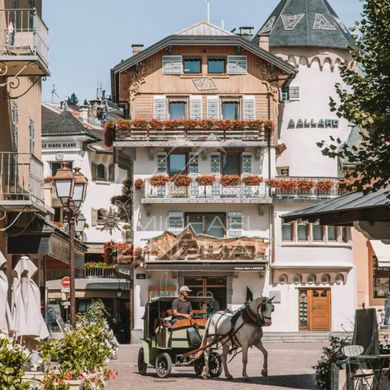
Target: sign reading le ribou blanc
{"x": 312, "y": 124}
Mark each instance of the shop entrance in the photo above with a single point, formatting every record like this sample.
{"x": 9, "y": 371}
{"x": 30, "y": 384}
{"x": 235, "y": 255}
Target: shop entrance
{"x": 214, "y": 287}
{"x": 314, "y": 309}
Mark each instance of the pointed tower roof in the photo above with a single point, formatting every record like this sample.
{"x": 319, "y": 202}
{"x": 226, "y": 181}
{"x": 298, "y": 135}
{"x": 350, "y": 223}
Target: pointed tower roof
{"x": 305, "y": 23}
{"x": 204, "y": 28}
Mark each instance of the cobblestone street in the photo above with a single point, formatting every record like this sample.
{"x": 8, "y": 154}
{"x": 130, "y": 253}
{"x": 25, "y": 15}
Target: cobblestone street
{"x": 290, "y": 367}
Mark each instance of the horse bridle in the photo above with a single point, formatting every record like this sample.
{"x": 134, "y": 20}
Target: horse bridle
{"x": 263, "y": 306}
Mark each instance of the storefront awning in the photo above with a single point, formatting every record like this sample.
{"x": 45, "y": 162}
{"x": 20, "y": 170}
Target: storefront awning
{"x": 217, "y": 266}
{"x": 382, "y": 252}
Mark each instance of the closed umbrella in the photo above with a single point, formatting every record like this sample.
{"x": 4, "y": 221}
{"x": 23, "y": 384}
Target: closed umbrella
{"x": 5, "y": 312}
{"x": 26, "y": 305}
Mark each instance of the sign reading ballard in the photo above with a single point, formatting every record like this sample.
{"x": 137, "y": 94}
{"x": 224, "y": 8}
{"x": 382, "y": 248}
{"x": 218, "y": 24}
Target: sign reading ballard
{"x": 321, "y": 124}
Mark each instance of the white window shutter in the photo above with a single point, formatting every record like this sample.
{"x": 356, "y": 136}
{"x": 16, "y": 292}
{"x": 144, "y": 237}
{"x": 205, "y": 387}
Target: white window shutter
{"x": 172, "y": 64}
{"x": 159, "y": 107}
{"x": 213, "y": 107}
{"x": 175, "y": 221}
{"x": 196, "y": 107}
{"x": 249, "y": 107}
{"x": 237, "y": 64}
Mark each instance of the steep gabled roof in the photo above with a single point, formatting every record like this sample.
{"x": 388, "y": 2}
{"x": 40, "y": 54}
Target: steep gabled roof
{"x": 66, "y": 124}
{"x": 204, "y": 28}
{"x": 305, "y": 23}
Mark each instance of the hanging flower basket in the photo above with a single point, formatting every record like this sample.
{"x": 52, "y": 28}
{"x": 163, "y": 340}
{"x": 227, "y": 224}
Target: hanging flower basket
{"x": 206, "y": 180}
{"x": 159, "y": 180}
{"x": 324, "y": 186}
{"x": 138, "y": 184}
{"x": 181, "y": 180}
{"x": 252, "y": 180}
{"x": 305, "y": 185}
{"x": 230, "y": 180}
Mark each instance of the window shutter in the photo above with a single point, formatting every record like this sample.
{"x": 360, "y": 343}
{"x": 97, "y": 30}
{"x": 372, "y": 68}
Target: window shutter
{"x": 237, "y": 64}
{"x": 93, "y": 171}
{"x": 175, "y": 221}
{"x": 248, "y": 110}
{"x": 294, "y": 93}
{"x": 111, "y": 173}
{"x": 93, "y": 217}
{"x": 193, "y": 164}
{"x": 215, "y": 163}
{"x": 213, "y": 107}
{"x": 246, "y": 163}
{"x": 196, "y": 107}
{"x": 172, "y": 64}
{"x": 235, "y": 224}
{"x": 162, "y": 163}
{"x": 159, "y": 108}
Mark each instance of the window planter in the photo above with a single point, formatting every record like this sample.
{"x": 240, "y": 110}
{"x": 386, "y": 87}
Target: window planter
{"x": 159, "y": 180}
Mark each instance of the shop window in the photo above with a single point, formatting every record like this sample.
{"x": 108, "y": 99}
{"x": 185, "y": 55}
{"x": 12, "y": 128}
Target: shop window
{"x": 213, "y": 224}
{"x": 287, "y": 231}
{"x": 192, "y": 65}
{"x": 177, "y": 110}
{"x": 216, "y": 65}
{"x": 157, "y": 291}
{"x": 177, "y": 164}
{"x": 381, "y": 279}
{"x": 302, "y": 230}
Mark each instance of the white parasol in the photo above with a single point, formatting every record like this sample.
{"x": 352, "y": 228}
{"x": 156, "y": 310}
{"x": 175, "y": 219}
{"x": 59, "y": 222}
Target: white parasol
{"x": 26, "y": 305}
{"x": 5, "y": 312}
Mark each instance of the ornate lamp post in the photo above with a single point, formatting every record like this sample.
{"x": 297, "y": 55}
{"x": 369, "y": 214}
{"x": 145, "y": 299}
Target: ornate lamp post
{"x": 71, "y": 189}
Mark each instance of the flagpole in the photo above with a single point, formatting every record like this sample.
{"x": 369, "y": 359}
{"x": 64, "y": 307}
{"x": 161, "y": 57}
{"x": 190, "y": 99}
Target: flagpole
{"x": 208, "y": 10}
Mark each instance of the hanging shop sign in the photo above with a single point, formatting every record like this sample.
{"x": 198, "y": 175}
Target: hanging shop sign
{"x": 313, "y": 124}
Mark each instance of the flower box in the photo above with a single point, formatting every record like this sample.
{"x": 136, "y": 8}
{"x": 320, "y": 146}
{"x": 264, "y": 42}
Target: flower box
{"x": 159, "y": 180}
{"x": 230, "y": 180}
{"x": 324, "y": 186}
{"x": 252, "y": 180}
{"x": 181, "y": 180}
{"x": 305, "y": 185}
{"x": 206, "y": 180}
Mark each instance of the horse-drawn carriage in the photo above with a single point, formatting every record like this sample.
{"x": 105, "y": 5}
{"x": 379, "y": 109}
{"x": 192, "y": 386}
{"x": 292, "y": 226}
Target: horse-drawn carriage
{"x": 168, "y": 342}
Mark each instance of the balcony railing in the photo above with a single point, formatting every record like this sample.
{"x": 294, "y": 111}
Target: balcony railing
{"x": 305, "y": 187}
{"x": 207, "y": 192}
{"x": 23, "y": 33}
{"x": 21, "y": 177}
{"x": 86, "y": 273}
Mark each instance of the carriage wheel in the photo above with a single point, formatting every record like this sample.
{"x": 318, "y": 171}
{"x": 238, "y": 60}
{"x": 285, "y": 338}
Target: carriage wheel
{"x": 163, "y": 365}
{"x": 142, "y": 366}
{"x": 198, "y": 366}
{"x": 215, "y": 365}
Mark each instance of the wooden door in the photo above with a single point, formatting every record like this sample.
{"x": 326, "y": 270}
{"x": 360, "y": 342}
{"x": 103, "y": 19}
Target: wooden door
{"x": 314, "y": 309}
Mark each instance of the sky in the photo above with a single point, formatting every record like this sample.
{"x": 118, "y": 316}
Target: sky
{"x": 88, "y": 37}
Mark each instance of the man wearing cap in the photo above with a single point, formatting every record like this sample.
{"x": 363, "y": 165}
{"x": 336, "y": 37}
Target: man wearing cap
{"x": 181, "y": 307}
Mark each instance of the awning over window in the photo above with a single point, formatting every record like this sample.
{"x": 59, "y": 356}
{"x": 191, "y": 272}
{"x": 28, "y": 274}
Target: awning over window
{"x": 382, "y": 252}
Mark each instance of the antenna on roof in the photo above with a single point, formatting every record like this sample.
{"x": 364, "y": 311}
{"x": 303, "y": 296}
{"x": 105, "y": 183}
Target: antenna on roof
{"x": 53, "y": 92}
{"x": 208, "y": 10}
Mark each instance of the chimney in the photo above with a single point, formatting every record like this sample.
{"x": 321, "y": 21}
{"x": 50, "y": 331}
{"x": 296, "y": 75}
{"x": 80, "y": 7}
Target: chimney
{"x": 264, "y": 42}
{"x": 246, "y": 32}
{"x": 83, "y": 114}
{"x": 137, "y": 48}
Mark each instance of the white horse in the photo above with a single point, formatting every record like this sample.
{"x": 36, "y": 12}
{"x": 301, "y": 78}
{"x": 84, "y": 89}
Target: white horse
{"x": 244, "y": 331}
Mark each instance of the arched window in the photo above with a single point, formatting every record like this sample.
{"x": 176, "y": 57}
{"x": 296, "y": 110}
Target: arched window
{"x": 101, "y": 172}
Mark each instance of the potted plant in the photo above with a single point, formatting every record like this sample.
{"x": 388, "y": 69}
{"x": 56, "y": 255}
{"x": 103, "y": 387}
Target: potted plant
{"x": 138, "y": 184}
{"x": 305, "y": 185}
{"x": 206, "y": 180}
{"x": 288, "y": 186}
{"x": 324, "y": 186}
{"x": 252, "y": 180}
{"x": 230, "y": 180}
{"x": 159, "y": 180}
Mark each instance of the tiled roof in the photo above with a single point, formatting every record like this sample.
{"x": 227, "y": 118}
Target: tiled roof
{"x": 204, "y": 29}
{"x": 305, "y": 23}
{"x": 66, "y": 124}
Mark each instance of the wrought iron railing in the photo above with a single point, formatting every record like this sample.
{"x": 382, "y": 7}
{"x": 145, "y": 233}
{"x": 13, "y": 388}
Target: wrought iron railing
{"x": 21, "y": 177}
{"x": 88, "y": 272}
{"x": 304, "y": 186}
{"x": 195, "y": 191}
{"x": 23, "y": 33}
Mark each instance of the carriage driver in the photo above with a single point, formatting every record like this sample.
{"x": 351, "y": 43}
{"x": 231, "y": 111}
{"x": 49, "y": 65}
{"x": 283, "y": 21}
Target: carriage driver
{"x": 181, "y": 307}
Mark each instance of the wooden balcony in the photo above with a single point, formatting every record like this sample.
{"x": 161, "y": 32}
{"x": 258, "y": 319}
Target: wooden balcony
{"x": 23, "y": 43}
{"x": 195, "y": 193}
{"x": 301, "y": 188}
{"x": 21, "y": 181}
{"x": 186, "y": 133}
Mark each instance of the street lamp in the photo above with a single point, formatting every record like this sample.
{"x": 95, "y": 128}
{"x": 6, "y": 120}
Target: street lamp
{"x": 71, "y": 189}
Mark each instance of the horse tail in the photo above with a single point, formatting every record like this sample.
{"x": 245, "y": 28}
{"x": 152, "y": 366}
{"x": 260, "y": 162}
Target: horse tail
{"x": 203, "y": 344}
